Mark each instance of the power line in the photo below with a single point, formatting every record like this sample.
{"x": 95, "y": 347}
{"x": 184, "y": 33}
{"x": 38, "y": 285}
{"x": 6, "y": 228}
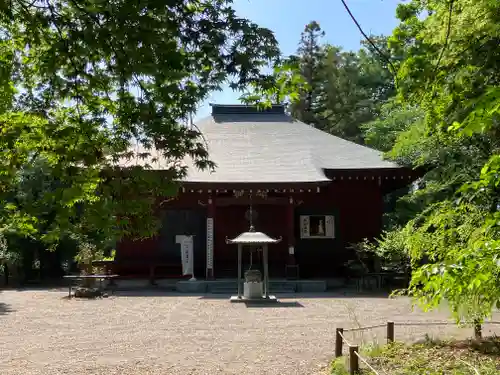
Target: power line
{"x": 387, "y": 60}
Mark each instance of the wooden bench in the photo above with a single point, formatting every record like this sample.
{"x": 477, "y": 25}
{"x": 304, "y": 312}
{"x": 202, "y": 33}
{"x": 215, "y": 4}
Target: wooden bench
{"x": 72, "y": 278}
{"x": 110, "y": 266}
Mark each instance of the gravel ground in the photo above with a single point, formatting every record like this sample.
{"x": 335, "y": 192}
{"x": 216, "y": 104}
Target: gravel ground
{"x": 41, "y": 332}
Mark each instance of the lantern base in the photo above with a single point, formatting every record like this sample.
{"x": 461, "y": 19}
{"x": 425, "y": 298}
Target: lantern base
{"x": 270, "y": 299}
{"x": 253, "y": 290}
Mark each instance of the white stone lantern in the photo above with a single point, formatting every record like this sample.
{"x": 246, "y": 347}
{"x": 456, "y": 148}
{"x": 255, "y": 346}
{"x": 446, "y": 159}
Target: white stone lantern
{"x": 253, "y": 290}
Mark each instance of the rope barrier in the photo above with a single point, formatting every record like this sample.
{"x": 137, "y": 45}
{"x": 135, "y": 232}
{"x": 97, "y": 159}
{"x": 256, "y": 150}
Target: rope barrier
{"x": 354, "y": 356}
{"x": 366, "y": 363}
{"x": 409, "y": 324}
{"x": 424, "y": 323}
{"x": 434, "y": 323}
{"x": 345, "y": 340}
{"x": 470, "y": 366}
{"x": 363, "y": 328}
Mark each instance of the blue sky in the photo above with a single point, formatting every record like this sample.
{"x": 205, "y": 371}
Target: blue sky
{"x": 287, "y": 19}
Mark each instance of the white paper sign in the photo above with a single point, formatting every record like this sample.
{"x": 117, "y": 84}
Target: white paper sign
{"x": 330, "y": 226}
{"x": 304, "y": 226}
{"x": 317, "y": 226}
{"x": 186, "y": 243}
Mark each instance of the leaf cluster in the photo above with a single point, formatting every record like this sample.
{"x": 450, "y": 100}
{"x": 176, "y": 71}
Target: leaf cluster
{"x": 449, "y": 71}
{"x": 93, "y": 93}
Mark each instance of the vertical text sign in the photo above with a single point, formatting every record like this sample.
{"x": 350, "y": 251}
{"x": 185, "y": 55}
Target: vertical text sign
{"x": 210, "y": 243}
{"x": 186, "y": 243}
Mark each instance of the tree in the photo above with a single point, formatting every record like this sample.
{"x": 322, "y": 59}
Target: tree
{"x": 345, "y": 101}
{"x": 451, "y": 70}
{"x": 342, "y": 89}
{"x": 392, "y": 120}
{"x": 87, "y": 84}
{"x": 310, "y": 60}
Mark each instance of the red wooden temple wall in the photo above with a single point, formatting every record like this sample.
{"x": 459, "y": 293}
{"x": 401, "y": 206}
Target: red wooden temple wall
{"x": 357, "y": 206}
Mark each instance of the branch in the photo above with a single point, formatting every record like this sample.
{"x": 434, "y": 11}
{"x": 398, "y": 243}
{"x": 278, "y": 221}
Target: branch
{"x": 111, "y": 45}
{"x": 32, "y": 4}
{"x": 448, "y": 32}
{"x": 66, "y": 45}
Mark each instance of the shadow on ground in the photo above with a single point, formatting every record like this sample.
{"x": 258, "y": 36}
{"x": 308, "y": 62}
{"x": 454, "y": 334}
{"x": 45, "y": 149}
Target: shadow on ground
{"x": 316, "y": 295}
{"x": 5, "y": 309}
{"x": 171, "y": 292}
{"x": 487, "y": 346}
{"x": 220, "y": 296}
{"x": 37, "y": 288}
{"x": 273, "y": 305}
{"x": 164, "y": 292}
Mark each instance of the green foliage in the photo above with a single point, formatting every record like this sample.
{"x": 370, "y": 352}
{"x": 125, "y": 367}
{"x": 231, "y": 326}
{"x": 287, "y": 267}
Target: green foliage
{"x": 6, "y": 255}
{"x": 392, "y": 248}
{"x": 346, "y": 101}
{"x": 463, "y": 265}
{"x": 281, "y": 87}
{"x": 430, "y": 358}
{"x": 111, "y": 256}
{"x": 87, "y": 253}
{"x": 450, "y": 224}
{"x": 93, "y": 92}
{"x": 393, "y": 119}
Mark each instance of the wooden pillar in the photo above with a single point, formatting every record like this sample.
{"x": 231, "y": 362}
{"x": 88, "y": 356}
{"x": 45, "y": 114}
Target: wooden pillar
{"x": 266, "y": 273}
{"x": 353, "y": 360}
{"x": 390, "y": 332}
{"x": 210, "y": 239}
{"x": 239, "y": 269}
{"x": 291, "y": 231}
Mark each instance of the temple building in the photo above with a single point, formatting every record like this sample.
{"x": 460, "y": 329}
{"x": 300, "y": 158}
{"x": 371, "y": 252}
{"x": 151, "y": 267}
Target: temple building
{"x": 317, "y": 192}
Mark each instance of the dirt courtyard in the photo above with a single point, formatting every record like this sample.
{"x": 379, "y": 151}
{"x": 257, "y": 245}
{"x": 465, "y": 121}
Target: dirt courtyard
{"x": 41, "y": 332}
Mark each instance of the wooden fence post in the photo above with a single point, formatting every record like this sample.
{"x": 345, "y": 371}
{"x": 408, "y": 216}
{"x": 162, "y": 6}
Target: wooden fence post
{"x": 477, "y": 330}
{"x": 338, "y": 342}
{"x": 390, "y": 332}
{"x": 353, "y": 360}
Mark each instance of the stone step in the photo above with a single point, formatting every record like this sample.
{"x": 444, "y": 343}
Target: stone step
{"x": 231, "y": 284}
{"x": 234, "y": 291}
{"x": 232, "y": 288}
{"x": 222, "y": 290}
{"x": 290, "y": 289}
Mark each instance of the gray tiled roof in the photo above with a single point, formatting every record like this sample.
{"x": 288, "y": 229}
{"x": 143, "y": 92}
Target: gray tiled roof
{"x": 274, "y": 148}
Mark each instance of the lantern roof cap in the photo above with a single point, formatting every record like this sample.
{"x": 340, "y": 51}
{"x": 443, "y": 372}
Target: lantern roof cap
{"x": 252, "y": 237}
